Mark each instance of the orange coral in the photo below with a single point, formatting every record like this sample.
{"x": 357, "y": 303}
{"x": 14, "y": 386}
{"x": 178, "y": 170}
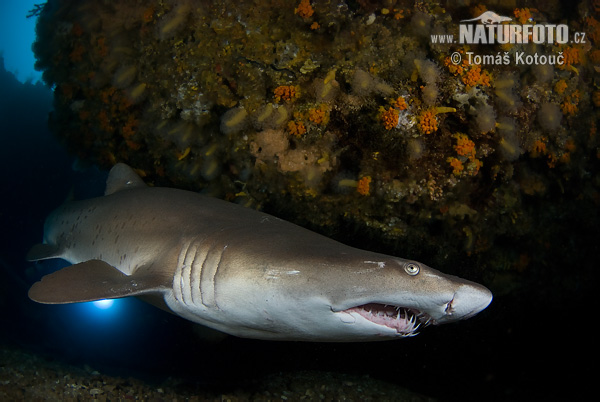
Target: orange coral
{"x": 287, "y": 93}
{"x": 428, "y": 122}
{"x": 457, "y": 69}
{"x": 475, "y": 76}
{"x": 457, "y": 166}
{"x": 464, "y": 146}
{"x": 552, "y": 159}
{"x": 398, "y": 14}
{"x": 304, "y": 9}
{"x": 130, "y": 127}
{"x": 595, "y": 56}
{"x": 319, "y": 115}
{"x": 364, "y": 185}
{"x": 560, "y": 87}
{"x": 539, "y": 148}
{"x": 315, "y": 25}
{"x": 569, "y": 106}
{"x": 296, "y": 128}
{"x": 592, "y": 28}
{"x": 522, "y": 14}
{"x": 399, "y": 103}
{"x": 571, "y": 55}
{"x": 485, "y": 79}
{"x": 471, "y": 74}
{"x": 389, "y": 117}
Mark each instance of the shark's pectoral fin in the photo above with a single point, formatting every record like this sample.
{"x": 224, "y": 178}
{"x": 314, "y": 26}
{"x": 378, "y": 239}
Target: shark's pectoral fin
{"x": 43, "y": 252}
{"x": 95, "y": 280}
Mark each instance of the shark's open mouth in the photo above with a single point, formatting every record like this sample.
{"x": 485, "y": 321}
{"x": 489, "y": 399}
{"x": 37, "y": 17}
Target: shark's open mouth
{"x": 405, "y": 321}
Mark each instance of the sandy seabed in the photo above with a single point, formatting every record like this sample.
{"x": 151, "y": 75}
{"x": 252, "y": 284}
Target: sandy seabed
{"x": 29, "y": 376}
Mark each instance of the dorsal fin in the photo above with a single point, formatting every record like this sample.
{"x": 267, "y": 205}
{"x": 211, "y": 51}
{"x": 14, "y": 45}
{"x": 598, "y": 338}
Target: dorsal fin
{"x": 122, "y": 177}
{"x": 96, "y": 280}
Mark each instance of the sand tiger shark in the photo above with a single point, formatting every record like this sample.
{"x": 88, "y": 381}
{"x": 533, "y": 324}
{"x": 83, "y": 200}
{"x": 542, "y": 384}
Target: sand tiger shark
{"x": 238, "y": 270}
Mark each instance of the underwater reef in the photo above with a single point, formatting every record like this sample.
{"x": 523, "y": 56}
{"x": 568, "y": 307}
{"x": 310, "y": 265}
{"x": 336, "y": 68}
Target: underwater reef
{"x": 345, "y": 117}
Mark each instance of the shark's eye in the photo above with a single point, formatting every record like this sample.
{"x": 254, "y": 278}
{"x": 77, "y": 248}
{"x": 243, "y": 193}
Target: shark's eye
{"x": 411, "y": 268}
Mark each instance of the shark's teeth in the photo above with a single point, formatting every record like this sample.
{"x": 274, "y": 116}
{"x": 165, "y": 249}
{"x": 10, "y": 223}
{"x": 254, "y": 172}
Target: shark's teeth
{"x": 405, "y": 321}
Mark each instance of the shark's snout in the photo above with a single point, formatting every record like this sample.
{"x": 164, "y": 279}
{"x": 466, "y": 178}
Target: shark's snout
{"x": 468, "y": 300}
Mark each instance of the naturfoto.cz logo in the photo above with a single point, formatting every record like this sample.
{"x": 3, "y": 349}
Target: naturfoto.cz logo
{"x": 491, "y": 28}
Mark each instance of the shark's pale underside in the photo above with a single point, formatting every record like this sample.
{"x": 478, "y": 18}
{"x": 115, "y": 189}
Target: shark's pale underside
{"x": 237, "y": 270}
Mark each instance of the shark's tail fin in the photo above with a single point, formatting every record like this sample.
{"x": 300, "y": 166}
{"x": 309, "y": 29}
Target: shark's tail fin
{"x": 43, "y": 252}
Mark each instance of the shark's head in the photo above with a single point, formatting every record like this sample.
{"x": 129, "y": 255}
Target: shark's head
{"x": 355, "y": 295}
{"x": 403, "y": 296}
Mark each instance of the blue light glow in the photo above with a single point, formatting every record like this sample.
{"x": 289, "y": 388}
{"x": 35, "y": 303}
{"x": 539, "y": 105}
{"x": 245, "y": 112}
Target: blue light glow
{"x": 101, "y": 312}
{"x": 17, "y": 33}
{"x": 103, "y": 304}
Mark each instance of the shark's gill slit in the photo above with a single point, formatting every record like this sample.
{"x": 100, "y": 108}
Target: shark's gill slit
{"x": 210, "y": 265}
{"x": 194, "y": 275}
{"x": 186, "y": 273}
{"x": 178, "y": 279}
{"x": 198, "y": 269}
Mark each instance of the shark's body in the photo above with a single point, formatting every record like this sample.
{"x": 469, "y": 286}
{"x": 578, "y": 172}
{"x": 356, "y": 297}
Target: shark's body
{"x": 237, "y": 270}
